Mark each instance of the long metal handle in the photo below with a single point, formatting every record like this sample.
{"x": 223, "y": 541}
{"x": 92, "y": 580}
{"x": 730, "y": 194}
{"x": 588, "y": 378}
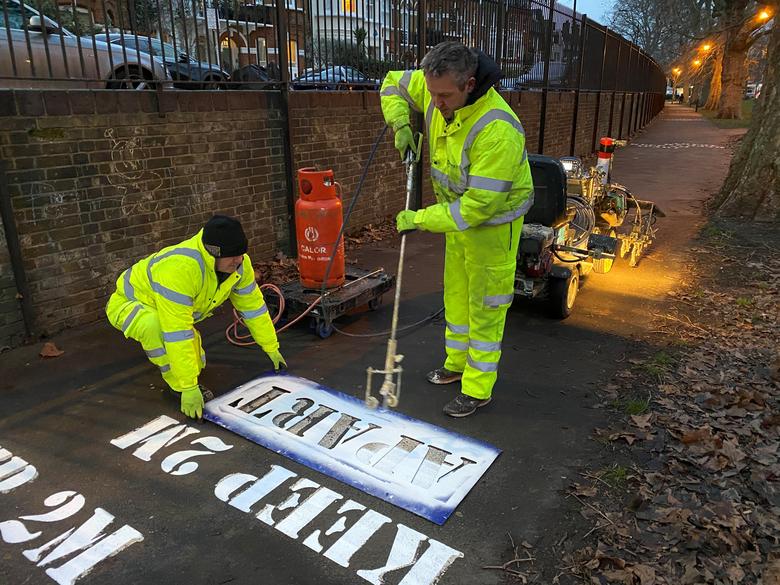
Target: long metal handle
{"x": 391, "y": 389}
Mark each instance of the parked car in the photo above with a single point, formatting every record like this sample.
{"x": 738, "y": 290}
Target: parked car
{"x": 50, "y": 56}
{"x": 335, "y": 77}
{"x": 535, "y": 76}
{"x": 183, "y": 69}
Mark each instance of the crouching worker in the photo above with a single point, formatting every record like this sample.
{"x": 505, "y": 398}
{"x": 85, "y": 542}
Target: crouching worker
{"x": 159, "y": 299}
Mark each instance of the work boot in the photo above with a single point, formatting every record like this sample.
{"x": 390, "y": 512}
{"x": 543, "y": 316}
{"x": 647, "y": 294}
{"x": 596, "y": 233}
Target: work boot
{"x": 443, "y": 376}
{"x": 463, "y": 405}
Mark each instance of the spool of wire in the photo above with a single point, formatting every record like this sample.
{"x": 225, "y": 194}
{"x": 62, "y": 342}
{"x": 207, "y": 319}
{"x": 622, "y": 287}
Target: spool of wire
{"x": 583, "y": 222}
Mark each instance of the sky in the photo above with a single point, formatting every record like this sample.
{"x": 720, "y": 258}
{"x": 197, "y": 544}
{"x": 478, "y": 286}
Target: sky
{"x": 595, "y": 9}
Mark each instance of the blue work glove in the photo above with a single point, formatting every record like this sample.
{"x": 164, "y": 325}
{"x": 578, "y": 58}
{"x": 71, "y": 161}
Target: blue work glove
{"x": 277, "y": 360}
{"x": 404, "y": 140}
{"x": 192, "y": 402}
{"x": 404, "y": 221}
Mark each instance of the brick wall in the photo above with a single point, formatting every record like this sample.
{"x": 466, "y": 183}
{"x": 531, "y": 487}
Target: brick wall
{"x": 99, "y": 179}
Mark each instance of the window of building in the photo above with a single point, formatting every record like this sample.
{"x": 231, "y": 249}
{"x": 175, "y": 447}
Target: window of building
{"x": 262, "y": 51}
{"x": 349, "y": 5}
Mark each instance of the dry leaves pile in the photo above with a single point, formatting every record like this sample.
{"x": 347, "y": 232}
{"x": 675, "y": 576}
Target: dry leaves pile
{"x": 701, "y": 501}
{"x": 278, "y": 271}
{"x": 373, "y": 232}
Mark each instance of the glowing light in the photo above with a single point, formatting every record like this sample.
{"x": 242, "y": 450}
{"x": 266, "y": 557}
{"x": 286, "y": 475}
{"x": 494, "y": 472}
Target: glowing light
{"x": 697, "y": 62}
{"x": 706, "y": 47}
{"x": 764, "y": 15}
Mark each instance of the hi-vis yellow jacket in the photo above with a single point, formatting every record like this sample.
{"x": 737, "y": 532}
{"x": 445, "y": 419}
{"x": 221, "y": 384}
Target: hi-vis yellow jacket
{"x": 180, "y": 283}
{"x": 479, "y": 165}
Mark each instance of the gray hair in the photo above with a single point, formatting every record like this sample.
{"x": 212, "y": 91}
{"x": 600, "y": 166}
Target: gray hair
{"x": 453, "y": 57}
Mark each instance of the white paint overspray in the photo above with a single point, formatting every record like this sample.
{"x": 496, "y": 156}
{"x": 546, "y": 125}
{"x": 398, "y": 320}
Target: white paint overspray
{"x": 427, "y": 569}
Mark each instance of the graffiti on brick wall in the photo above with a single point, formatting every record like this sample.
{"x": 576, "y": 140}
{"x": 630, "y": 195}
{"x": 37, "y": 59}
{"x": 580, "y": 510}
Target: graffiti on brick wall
{"x": 46, "y": 203}
{"x": 135, "y": 182}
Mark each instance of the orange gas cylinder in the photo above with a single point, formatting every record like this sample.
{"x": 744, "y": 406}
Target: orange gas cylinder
{"x": 318, "y": 220}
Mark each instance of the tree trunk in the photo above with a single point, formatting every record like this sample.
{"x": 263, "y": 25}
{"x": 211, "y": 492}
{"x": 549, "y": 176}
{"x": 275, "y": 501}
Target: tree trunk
{"x": 734, "y": 68}
{"x": 715, "y": 84}
{"x": 752, "y": 188}
{"x": 733, "y": 78}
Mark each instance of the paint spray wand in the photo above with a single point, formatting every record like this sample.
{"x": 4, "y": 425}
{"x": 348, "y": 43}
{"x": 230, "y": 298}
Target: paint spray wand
{"x": 390, "y": 389}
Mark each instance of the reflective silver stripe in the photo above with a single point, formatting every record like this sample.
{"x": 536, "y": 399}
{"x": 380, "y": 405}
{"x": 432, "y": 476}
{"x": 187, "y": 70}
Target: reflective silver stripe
{"x": 429, "y": 115}
{"x": 155, "y": 353}
{"x": 256, "y": 313}
{"x": 203, "y": 357}
{"x": 455, "y": 211}
{"x": 442, "y": 178}
{"x": 525, "y": 156}
{"x": 246, "y": 290}
{"x": 482, "y": 366}
{"x": 130, "y": 317}
{"x": 452, "y": 344}
{"x": 488, "y": 184}
{"x": 512, "y": 215}
{"x": 172, "y": 295}
{"x": 178, "y": 335}
{"x": 241, "y": 269}
{"x": 485, "y": 345}
{"x": 460, "y": 329}
{"x": 403, "y": 85}
{"x": 479, "y": 125}
{"x": 189, "y": 252}
{"x": 129, "y": 290}
{"x": 391, "y": 90}
{"x": 495, "y": 301}
{"x": 165, "y": 368}
{"x": 196, "y": 315}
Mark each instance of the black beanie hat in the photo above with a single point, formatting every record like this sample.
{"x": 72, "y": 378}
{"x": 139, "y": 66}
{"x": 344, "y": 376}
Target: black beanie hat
{"x": 223, "y": 237}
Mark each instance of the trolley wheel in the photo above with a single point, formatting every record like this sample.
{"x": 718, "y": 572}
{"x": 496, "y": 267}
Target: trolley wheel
{"x": 324, "y": 329}
{"x": 563, "y": 292}
{"x": 604, "y": 265}
{"x": 374, "y": 304}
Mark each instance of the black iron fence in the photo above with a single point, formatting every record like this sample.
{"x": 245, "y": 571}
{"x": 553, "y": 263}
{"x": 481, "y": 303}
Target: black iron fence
{"x": 304, "y": 44}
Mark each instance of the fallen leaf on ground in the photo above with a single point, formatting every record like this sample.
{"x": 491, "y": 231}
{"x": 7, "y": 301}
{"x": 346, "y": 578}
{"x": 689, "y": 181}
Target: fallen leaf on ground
{"x": 50, "y": 350}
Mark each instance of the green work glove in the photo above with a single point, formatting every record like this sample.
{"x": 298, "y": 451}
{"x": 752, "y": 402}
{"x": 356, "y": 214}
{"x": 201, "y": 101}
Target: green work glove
{"x": 192, "y": 402}
{"x": 277, "y": 360}
{"x": 404, "y": 221}
{"x": 404, "y": 140}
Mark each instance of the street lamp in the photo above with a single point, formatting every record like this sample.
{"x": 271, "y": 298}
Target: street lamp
{"x": 706, "y": 47}
{"x": 764, "y": 15}
{"x": 696, "y": 62}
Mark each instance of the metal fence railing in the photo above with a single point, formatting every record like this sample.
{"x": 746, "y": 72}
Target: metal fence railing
{"x": 310, "y": 44}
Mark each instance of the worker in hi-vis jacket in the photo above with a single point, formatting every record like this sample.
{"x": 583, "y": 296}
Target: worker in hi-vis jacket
{"x": 483, "y": 187}
{"x": 160, "y": 298}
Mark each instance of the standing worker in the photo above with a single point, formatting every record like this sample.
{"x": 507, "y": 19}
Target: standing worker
{"x": 483, "y": 187}
{"x": 159, "y": 299}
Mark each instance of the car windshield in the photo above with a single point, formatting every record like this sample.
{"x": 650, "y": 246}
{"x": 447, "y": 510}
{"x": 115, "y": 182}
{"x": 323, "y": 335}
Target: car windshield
{"x": 328, "y": 74}
{"x": 146, "y": 45}
{"x": 15, "y": 20}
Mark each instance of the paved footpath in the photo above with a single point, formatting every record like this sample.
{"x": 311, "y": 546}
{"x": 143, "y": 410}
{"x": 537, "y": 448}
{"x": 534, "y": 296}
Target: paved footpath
{"x": 165, "y": 522}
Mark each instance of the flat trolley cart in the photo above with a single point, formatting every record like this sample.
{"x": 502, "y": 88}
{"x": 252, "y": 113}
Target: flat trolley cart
{"x": 362, "y": 287}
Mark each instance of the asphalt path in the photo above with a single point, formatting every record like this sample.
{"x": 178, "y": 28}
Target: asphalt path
{"x": 164, "y": 523}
